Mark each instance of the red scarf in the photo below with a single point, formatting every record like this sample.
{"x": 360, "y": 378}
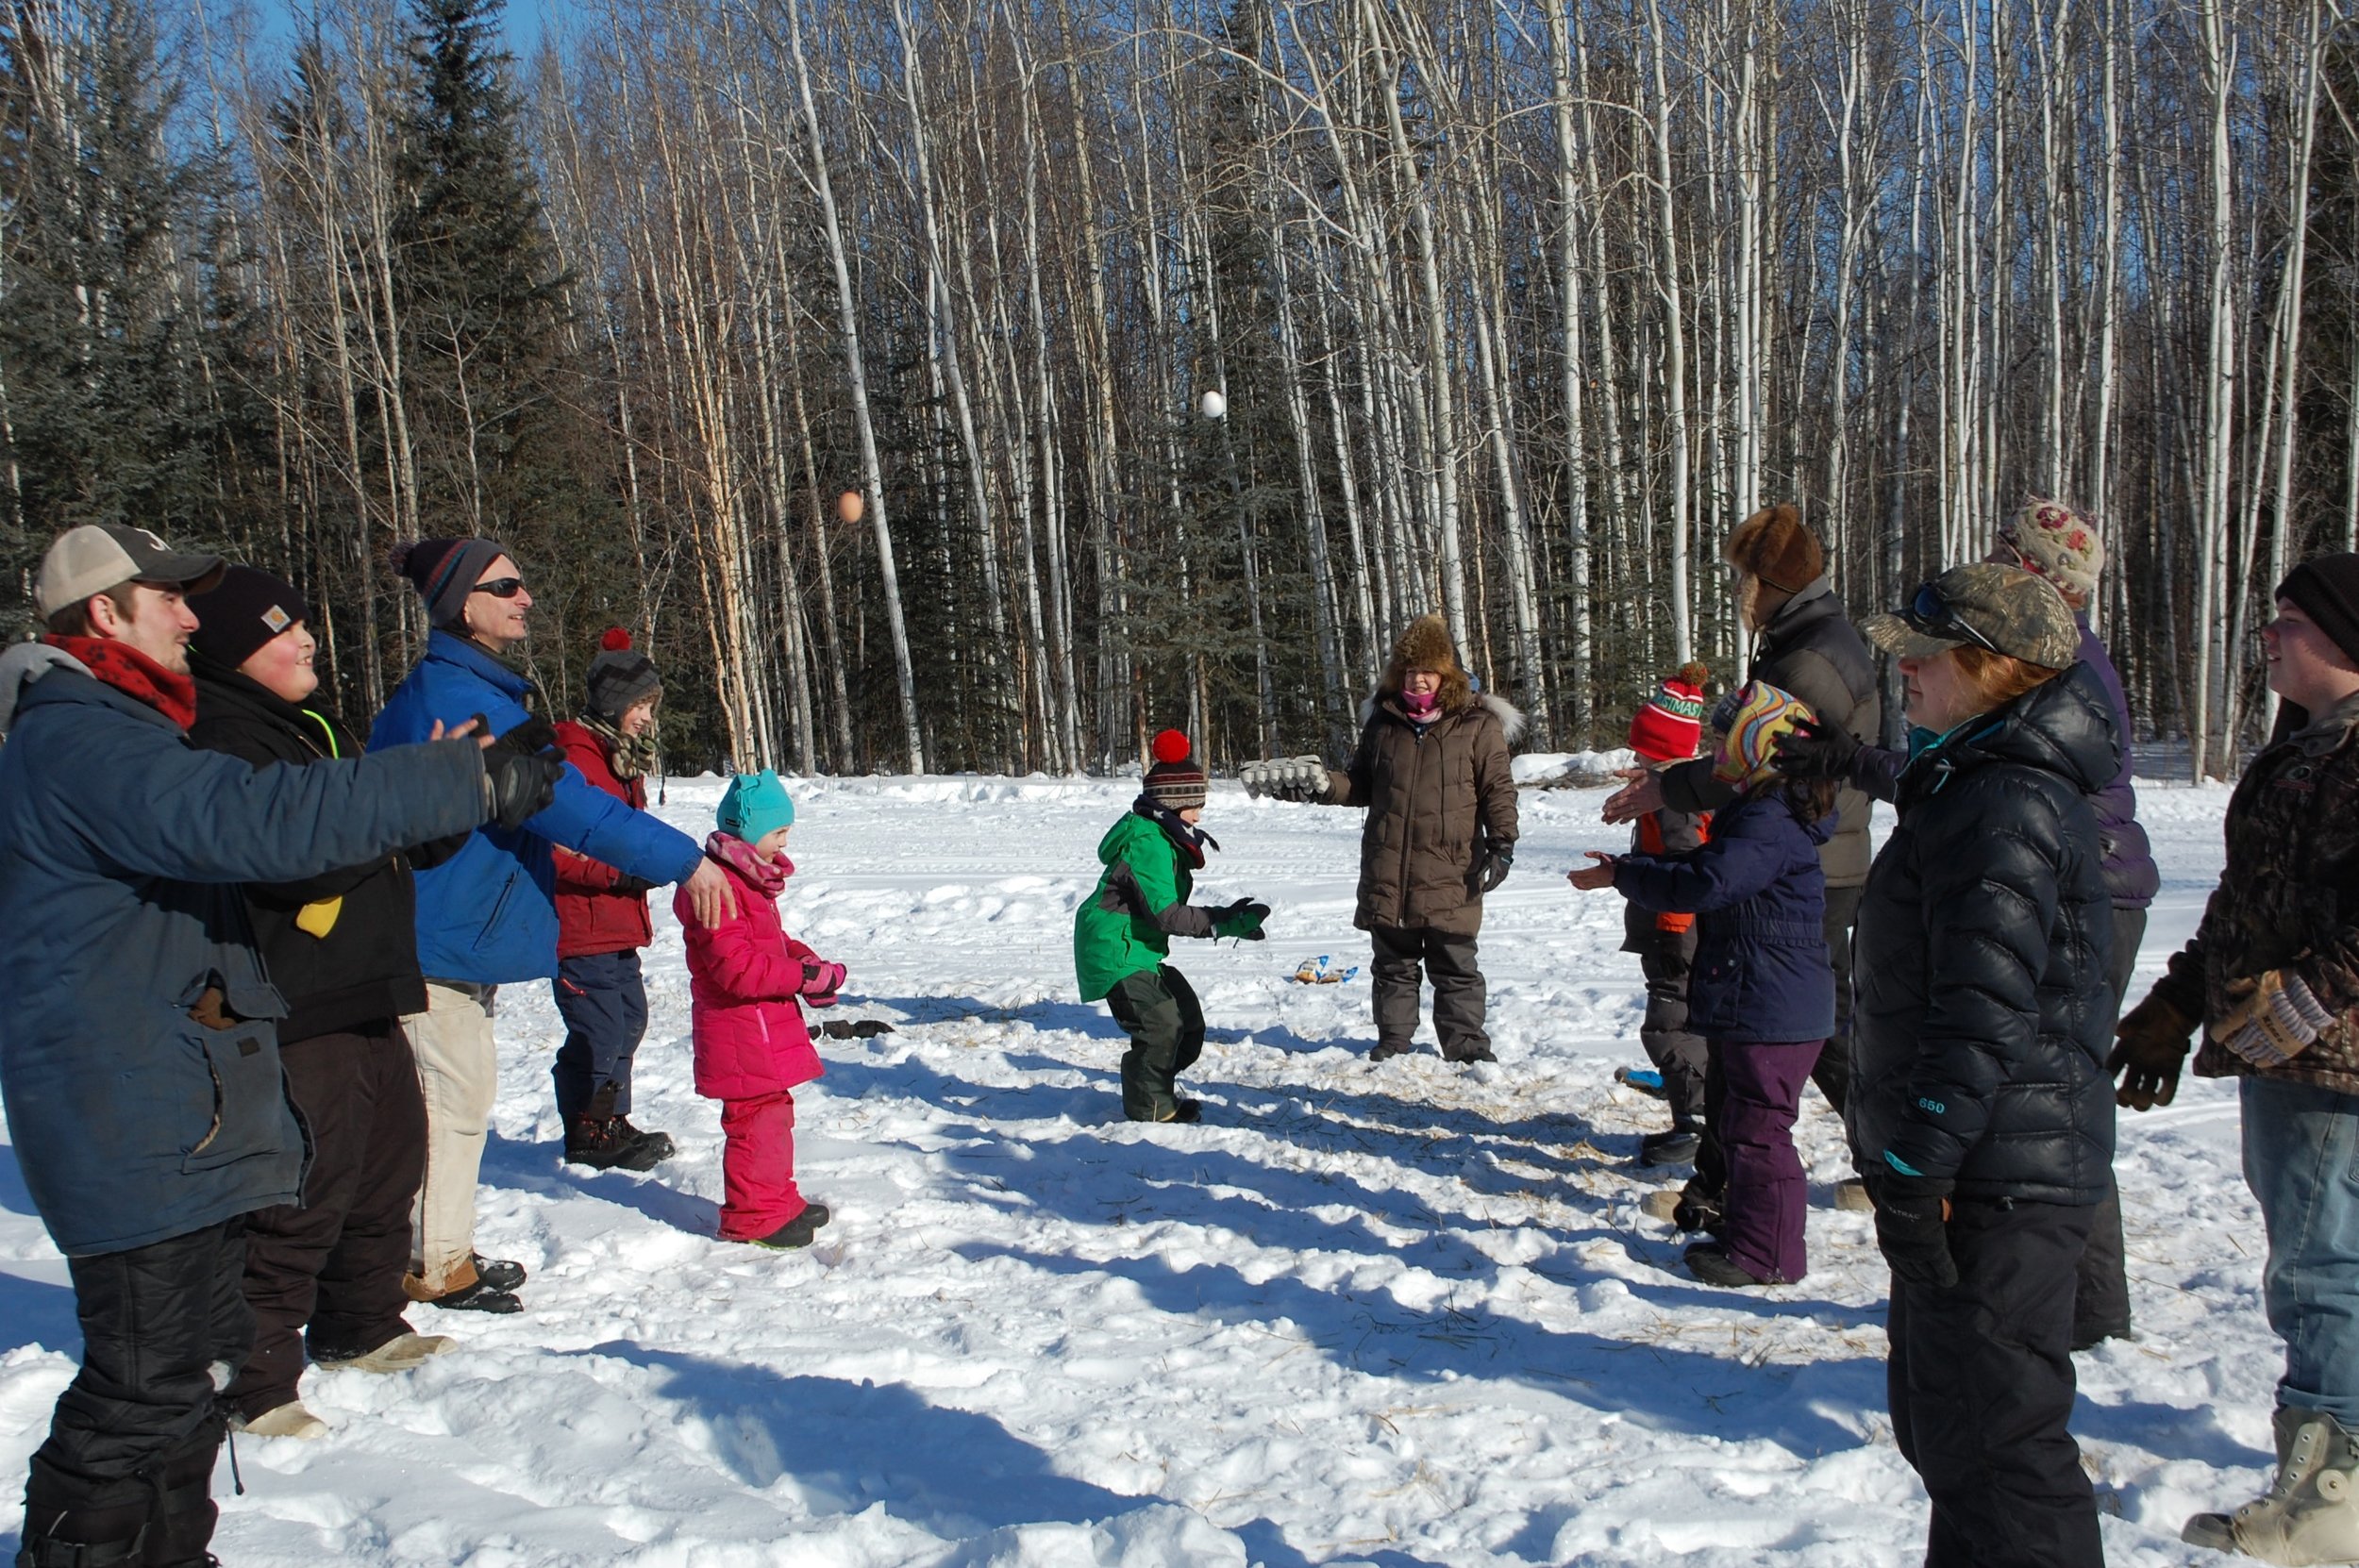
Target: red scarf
{"x": 769, "y": 877}
{"x": 133, "y": 674}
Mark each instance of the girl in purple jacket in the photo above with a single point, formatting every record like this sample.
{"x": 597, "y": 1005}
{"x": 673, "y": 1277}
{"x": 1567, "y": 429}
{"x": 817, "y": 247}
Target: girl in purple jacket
{"x": 1761, "y": 993}
{"x": 747, "y": 983}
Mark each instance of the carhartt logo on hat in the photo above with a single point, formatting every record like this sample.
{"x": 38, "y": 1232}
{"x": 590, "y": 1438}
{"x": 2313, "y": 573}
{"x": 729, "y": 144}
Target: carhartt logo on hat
{"x": 100, "y": 555}
{"x": 276, "y": 619}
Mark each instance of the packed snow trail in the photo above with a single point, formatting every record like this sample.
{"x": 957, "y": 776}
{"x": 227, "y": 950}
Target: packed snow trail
{"x": 1404, "y": 1314}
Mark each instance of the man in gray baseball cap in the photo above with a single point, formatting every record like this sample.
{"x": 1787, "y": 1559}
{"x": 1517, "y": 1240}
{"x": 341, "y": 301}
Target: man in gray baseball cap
{"x": 139, "y": 1052}
{"x": 126, "y": 584}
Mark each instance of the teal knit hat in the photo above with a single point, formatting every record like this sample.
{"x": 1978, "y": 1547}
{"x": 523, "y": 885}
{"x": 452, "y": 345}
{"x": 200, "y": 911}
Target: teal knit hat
{"x": 753, "y": 804}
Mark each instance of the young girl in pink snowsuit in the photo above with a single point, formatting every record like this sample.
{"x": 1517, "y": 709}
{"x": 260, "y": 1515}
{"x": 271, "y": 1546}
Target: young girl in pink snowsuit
{"x": 748, "y": 980}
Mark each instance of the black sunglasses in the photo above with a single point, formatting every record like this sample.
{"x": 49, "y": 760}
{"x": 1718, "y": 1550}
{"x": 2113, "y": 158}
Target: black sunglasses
{"x": 500, "y": 588}
{"x": 1933, "y": 615}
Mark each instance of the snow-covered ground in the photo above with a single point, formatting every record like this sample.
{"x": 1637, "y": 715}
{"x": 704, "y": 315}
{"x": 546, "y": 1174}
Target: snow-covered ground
{"x": 1405, "y": 1314}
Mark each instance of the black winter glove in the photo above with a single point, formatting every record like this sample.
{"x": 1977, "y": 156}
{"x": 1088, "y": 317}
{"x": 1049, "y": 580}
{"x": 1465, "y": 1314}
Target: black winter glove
{"x": 1912, "y": 1227}
{"x": 531, "y": 737}
{"x": 1495, "y": 864}
{"x": 1816, "y": 749}
{"x": 627, "y": 886}
{"x": 520, "y": 784}
{"x": 2149, "y": 1046}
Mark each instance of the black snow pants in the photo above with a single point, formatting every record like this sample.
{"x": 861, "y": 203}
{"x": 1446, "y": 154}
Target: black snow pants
{"x": 1459, "y": 993}
{"x": 1981, "y": 1386}
{"x": 335, "y": 1261}
{"x": 1159, "y": 1011}
{"x": 126, "y": 1476}
{"x": 1677, "y": 1051}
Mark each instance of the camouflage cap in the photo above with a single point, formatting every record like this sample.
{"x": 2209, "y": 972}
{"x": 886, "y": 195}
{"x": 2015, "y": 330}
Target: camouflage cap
{"x": 2002, "y": 609}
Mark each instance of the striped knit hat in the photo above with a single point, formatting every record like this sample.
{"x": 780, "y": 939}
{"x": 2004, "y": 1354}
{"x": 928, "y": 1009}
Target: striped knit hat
{"x": 1764, "y": 713}
{"x": 1175, "y": 780}
{"x": 1668, "y": 725}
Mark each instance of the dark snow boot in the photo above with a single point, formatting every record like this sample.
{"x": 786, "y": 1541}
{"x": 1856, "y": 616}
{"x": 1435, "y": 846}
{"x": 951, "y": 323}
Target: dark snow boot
{"x": 479, "y": 1296}
{"x": 501, "y": 1274}
{"x": 1710, "y": 1263}
{"x": 652, "y": 1146}
{"x": 798, "y": 1232}
{"x": 86, "y": 1538}
{"x": 609, "y": 1143}
{"x": 1676, "y": 1147}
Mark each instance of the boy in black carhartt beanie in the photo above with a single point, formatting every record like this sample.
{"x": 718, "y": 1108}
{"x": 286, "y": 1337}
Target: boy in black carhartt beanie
{"x": 2327, "y": 589}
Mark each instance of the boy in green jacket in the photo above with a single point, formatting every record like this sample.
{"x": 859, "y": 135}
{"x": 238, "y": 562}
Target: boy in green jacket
{"x": 1122, "y": 932}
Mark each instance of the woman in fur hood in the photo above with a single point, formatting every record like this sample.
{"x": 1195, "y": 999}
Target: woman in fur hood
{"x": 1431, "y": 770}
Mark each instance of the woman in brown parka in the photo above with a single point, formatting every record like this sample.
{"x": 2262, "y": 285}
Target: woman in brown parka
{"x": 1431, "y": 770}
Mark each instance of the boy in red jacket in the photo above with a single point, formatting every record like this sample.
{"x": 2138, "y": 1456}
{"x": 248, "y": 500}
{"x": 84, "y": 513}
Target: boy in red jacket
{"x": 748, "y": 982}
{"x": 602, "y": 924}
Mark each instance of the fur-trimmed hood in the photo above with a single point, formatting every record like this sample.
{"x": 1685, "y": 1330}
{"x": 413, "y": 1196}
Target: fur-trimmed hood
{"x": 1426, "y": 644}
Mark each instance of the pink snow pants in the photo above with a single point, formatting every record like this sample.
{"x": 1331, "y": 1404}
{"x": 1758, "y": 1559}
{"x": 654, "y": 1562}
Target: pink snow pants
{"x": 757, "y": 1166}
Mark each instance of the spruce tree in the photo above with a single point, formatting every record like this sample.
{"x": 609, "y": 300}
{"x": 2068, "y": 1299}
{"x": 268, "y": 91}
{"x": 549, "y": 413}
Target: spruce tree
{"x": 114, "y": 298}
{"x": 483, "y": 305}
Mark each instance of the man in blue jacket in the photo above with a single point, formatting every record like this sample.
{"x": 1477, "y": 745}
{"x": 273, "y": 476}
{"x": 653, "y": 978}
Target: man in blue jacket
{"x": 138, "y": 1053}
{"x": 487, "y": 915}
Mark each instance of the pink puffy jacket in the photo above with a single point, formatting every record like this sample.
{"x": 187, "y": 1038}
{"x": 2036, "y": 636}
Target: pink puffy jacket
{"x": 744, "y": 978}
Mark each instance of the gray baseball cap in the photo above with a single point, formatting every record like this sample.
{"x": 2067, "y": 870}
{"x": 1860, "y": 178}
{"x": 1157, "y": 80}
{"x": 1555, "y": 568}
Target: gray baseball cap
{"x": 99, "y": 556}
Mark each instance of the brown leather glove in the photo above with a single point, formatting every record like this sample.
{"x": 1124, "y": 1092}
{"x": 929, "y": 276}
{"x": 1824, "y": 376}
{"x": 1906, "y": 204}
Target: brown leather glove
{"x": 2275, "y": 1020}
{"x": 2149, "y": 1046}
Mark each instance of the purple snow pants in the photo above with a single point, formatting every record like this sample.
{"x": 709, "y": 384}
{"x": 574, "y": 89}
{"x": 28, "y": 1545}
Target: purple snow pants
{"x": 1766, "y": 1198}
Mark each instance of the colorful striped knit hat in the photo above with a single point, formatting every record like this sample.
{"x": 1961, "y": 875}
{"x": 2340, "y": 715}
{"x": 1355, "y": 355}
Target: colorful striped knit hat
{"x": 1763, "y": 713}
{"x": 1668, "y": 725}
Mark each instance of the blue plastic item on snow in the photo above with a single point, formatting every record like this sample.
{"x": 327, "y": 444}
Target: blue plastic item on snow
{"x": 1645, "y": 1079}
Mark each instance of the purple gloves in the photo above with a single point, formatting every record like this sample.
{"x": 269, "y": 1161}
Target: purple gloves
{"x": 821, "y": 981}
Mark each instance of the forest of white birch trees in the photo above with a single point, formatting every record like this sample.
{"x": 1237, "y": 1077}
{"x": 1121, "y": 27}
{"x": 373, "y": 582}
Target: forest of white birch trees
{"x": 1516, "y": 305}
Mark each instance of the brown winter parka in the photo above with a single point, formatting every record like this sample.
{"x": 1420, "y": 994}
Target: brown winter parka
{"x": 1438, "y": 797}
{"x": 2288, "y": 899}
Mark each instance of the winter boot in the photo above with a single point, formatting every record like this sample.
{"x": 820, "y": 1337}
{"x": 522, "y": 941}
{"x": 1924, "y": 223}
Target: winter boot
{"x": 289, "y": 1420}
{"x": 477, "y": 1297}
{"x": 499, "y": 1273}
{"x": 1384, "y": 1050}
{"x": 1677, "y": 1146}
{"x": 798, "y": 1232}
{"x": 2311, "y": 1511}
{"x": 1710, "y": 1262}
{"x": 654, "y": 1147}
{"x": 399, "y": 1354}
{"x": 1850, "y": 1195}
{"x": 607, "y": 1143}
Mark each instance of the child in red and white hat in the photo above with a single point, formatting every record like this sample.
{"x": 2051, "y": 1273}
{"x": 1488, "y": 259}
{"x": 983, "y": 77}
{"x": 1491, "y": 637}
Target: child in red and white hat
{"x": 1667, "y": 729}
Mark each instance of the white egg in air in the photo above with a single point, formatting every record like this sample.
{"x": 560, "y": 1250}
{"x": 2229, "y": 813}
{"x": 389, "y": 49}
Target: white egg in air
{"x": 1213, "y": 406}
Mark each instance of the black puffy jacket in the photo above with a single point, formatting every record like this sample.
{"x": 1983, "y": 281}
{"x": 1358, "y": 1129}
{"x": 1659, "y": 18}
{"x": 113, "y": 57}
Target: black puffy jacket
{"x": 1981, "y": 1015}
{"x": 354, "y": 959}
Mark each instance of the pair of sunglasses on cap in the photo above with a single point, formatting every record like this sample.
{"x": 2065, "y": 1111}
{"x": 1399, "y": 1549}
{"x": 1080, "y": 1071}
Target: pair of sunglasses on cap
{"x": 1933, "y": 615}
{"x": 500, "y": 588}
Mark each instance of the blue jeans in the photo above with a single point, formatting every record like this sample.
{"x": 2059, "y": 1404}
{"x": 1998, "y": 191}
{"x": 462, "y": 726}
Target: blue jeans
{"x": 2302, "y": 1160}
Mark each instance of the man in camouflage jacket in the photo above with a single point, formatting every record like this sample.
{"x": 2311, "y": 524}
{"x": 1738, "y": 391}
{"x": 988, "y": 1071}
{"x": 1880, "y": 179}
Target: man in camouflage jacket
{"x": 2272, "y": 979}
